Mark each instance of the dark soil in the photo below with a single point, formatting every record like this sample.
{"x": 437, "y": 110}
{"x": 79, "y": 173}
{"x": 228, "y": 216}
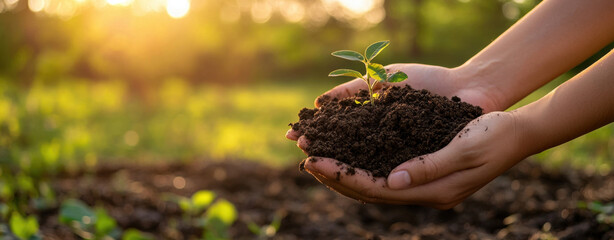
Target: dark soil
{"x": 527, "y": 202}
{"x": 404, "y": 123}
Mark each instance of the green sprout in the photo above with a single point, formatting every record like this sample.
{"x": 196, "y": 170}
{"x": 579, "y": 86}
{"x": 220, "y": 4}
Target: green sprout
{"x": 86, "y": 222}
{"x": 375, "y": 71}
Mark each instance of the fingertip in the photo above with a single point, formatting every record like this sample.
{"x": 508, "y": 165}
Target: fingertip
{"x": 292, "y": 135}
{"x": 318, "y": 101}
{"x": 303, "y": 143}
{"x": 325, "y": 167}
{"x": 310, "y": 164}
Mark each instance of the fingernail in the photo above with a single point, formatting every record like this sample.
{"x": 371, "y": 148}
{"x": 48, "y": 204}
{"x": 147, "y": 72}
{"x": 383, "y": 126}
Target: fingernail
{"x": 399, "y": 180}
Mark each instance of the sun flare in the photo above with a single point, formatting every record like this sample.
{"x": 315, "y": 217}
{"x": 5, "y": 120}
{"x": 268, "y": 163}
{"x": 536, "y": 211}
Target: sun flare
{"x": 177, "y": 8}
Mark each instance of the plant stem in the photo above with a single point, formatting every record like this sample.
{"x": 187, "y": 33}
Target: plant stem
{"x": 368, "y": 81}
{"x": 371, "y": 94}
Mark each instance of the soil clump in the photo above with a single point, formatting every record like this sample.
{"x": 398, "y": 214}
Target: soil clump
{"x": 402, "y": 124}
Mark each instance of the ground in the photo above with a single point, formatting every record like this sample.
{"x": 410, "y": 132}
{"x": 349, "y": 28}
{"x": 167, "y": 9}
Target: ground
{"x": 526, "y": 202}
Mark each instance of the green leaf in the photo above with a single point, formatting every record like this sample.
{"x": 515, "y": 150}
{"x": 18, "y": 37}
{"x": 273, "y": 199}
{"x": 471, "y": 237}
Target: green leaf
{"x": 397, "y": 77}
{"x": 375, "y": 48}
{"x": 223, "y": 210}
{"x": 185, "y": 204}
{"x": 254, "y": 228}
{"x": 104, "y": 224}
{"x": 365, "y": 102}
{"x": 357, "y": 102}
{"x": 23, "y": 228}
{"x": 349, "y": 55}
{"x": 345, "y": 72}
{"x": 73, "y": 210}
{"x": 376, "y": 95}
{"x": 133, "y": 234}
{"x": 202, "y": 199}
{"x": 376, "y": 71}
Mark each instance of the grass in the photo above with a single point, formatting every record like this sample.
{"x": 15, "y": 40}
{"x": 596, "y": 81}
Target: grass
{"x": 74, "y": 124}
{"x": 77, "y": 124}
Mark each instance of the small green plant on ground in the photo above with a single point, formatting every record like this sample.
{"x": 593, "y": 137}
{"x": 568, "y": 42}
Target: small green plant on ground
{"x": 375, "y": 71}
{"x": 604, "y": 211}
{"x": 133, "y": 234}
{"x": 25, "y": 228}
{"x": 88, "y": 223}
{"x": 214, "y": 217}
{"x": 268, "y": 230}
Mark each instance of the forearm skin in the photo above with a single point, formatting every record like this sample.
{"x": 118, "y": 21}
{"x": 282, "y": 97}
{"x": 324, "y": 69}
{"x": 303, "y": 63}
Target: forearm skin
{"x": 580, "y": 105}
{"x": 554, "y": 37}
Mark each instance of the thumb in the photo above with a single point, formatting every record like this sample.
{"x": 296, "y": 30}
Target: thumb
{"x": 424, "y": 169}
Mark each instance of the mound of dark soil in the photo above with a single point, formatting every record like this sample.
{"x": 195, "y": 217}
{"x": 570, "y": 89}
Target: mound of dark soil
{"x": 402, "y": 124}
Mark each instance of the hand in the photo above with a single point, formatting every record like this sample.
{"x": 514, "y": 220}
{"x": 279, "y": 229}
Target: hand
{"x": 439, "y": 80}
{"x": 484, "y": 149}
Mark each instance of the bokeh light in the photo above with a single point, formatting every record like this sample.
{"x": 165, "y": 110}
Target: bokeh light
{"x": 177, "y": 8}
{"x": 36, "y": 5}
{"x": 119, "y": 2}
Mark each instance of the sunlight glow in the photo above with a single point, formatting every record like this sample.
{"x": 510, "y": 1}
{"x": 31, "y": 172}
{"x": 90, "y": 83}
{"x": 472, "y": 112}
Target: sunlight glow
{"x": 230, "y": 13}
{"x": 177, "y": 8}
{"x": 358, "y": 6}
{"x": 360, "y": 14}
{"x": 293, "y": 11}
{"x": 36, "y": 5}
{"x": 10, "y": 4}
{"x": 261, "y": 11}
{"x": 119, "y": 2}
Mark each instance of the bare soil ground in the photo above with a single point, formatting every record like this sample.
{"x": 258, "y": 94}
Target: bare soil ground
{"x": 525, "y": 203}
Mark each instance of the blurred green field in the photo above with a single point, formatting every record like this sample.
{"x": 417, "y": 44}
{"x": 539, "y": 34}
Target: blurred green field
{"x": 82, "y": 123}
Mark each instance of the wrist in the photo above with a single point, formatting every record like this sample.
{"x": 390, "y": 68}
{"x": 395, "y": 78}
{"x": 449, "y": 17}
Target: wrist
{"x": 527, "y": 142}
{"x": 479, "y": 80}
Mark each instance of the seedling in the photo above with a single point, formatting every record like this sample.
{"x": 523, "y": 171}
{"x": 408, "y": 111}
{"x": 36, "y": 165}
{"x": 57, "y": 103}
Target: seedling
{"x": 269, "y": 230}
{"x": 25, "y": 228}
{"x": 215, "y": 217}
{"x": 88, "y": 223}
{"x": 375, "y": 72}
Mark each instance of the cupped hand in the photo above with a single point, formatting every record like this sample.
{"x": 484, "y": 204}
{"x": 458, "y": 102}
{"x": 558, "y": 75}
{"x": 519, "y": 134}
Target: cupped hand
{"x": 480, "y": 152}
{"x": 441, "y": 179}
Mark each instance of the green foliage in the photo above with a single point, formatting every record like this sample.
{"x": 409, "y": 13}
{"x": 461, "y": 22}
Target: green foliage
{"x": 345, "y": 72}
{"x": 75, "y": 213}
{"x": 220, "y": 214}
{"x": 218, "y": 218}
{"x": 375, "y": 48}
{"x": 349, "y": 55}
{"x": 133, "y": 234}
{"x": 375, "y": 71}
{"x": 24, "y": 228}
{"x": 604, "y": 211}
{"x": 268, "y": 230}
{"x": 88, "y": 223}
{"x": 397, "y": 77}
{"x": 222, "y": 210}
{"x": 195, "y": 204}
